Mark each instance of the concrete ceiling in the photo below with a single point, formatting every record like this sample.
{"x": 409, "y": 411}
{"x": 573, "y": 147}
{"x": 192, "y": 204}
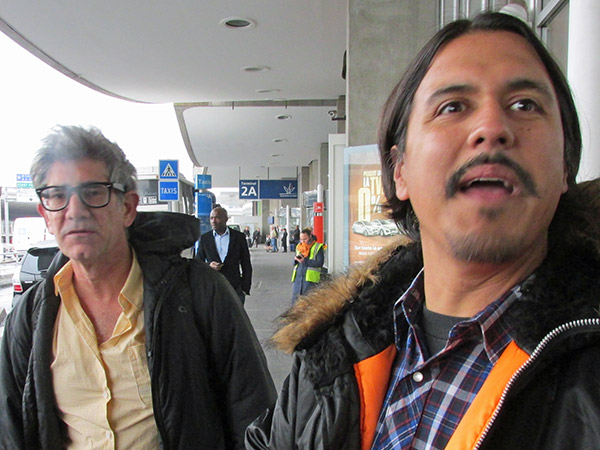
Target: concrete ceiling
{"x": 159, "y": 51}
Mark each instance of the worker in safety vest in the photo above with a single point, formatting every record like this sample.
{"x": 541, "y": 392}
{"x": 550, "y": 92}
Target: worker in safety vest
{"x": 308, "y": 262}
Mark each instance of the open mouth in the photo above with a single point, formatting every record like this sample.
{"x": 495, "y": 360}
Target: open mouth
{"x": 487, "y": 183}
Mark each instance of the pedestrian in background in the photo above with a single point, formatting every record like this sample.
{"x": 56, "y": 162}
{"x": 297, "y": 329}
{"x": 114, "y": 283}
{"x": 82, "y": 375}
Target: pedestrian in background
{"x": 226, "y": 251}
{"x": 295, "y": 238}
{"x": 284, "y": 236}
{"x": 255, "y": 238}
{"x": 308, "y": 263}
{"x": 247, "y": 234}
{"x": 274, "y": 236}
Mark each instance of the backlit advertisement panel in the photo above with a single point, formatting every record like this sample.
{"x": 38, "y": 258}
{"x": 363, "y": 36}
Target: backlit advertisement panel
{"x": 367, "y": 227}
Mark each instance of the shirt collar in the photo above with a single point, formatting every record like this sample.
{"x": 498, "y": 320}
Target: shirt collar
{"x": 131, "y": 296}
{"x": 226, "y": 233}
{"x": 488, "y": 322}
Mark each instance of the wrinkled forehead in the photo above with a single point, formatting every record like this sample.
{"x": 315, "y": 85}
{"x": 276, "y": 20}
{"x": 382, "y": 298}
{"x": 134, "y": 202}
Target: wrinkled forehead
{"x": 490, "y": 59}
{"x": 74, "y": 172}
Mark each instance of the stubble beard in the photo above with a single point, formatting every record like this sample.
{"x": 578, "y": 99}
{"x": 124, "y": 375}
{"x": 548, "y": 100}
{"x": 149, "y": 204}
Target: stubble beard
{"x": 487, "y": 248}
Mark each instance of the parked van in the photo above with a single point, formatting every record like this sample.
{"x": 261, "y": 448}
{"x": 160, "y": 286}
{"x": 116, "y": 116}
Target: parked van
{"x": 28, "y": 231}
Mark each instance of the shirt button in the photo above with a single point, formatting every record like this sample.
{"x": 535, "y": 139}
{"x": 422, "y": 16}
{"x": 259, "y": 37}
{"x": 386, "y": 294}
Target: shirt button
{"x": 108, "y": 435}
{"x": 105, "y": 394}
{"x": 418, "y": 377}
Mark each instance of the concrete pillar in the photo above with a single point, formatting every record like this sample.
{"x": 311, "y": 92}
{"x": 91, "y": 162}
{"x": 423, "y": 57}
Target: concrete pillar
{"x": 583, "y": 74}
{"x": 383, "y": 37}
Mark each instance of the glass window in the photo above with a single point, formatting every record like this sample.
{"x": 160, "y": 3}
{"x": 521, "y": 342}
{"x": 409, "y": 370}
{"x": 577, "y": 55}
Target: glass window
{"x": 557, "y": 36}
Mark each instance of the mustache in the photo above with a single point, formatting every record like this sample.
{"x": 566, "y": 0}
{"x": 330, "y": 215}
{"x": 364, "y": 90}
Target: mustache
{"x": 524, "y": 177}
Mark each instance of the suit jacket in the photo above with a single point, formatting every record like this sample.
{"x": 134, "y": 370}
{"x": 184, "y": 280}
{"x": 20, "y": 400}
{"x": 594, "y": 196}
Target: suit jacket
{"x": 238, "y": 256}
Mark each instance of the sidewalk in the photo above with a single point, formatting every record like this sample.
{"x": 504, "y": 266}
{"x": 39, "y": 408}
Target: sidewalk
{"x": 270, "y": 296}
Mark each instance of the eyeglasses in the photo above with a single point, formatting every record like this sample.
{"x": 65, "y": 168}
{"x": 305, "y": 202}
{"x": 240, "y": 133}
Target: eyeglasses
{"x": 94, "y": 194}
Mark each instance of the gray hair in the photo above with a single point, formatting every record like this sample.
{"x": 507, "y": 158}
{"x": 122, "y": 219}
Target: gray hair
{"x": 74, "y": 143}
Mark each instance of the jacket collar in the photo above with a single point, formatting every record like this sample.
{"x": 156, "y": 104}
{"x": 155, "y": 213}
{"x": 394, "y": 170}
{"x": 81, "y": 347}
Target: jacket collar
{"x": 351, "y": 316}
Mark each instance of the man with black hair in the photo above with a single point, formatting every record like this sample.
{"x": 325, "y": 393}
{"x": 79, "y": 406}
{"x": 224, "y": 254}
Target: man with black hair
{"x": 480, "y": 328}
{"x": 225, "y": 250}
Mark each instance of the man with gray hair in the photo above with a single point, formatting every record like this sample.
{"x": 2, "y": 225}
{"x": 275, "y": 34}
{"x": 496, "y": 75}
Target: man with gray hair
{"x": 125, "y": 344}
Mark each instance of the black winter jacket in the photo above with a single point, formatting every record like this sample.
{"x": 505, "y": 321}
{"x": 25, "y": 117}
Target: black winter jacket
{"x": 209, "y": 375}
{"x": 552, "y": 402}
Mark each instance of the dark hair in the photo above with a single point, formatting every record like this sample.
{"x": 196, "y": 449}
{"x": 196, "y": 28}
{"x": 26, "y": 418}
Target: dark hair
{"x": 73, "y": 143}
{"x": 396, "y": 112}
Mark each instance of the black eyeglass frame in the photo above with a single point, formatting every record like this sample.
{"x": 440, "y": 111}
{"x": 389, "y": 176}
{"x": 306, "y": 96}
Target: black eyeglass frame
{"x": 69, "y": 192}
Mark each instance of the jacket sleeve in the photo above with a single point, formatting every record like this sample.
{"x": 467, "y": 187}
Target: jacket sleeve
{"x": 246, "y": 267}
{"x": 276, "y": 427}
{"x": 239, "y": 364}
{"x": 14, "y": 356}
{"x": 201, "y": 251}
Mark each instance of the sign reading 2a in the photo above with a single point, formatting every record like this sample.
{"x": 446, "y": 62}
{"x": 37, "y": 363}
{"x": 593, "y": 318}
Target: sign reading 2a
{"x": 249, "y": 189}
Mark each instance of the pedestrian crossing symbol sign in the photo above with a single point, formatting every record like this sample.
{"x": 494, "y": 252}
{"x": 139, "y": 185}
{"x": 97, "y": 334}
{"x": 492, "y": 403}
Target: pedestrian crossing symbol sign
{"x": 168, "y": 169}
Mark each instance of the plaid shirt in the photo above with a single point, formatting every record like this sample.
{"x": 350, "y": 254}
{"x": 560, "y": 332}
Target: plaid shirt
{"x": 428, "y": 396}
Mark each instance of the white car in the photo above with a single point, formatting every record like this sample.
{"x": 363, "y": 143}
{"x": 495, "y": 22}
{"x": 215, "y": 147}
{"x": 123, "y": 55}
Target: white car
{"x": 385, "y": 227}
{"x": 363, "y": 227}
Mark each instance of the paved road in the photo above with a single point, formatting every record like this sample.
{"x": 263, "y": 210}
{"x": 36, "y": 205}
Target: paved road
{"x": 270, "y": 296}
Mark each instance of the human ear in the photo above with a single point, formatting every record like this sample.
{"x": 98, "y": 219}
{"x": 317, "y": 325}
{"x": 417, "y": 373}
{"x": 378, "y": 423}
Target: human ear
{"x": 399, "y": 180}
{"x": 130, "y": 202}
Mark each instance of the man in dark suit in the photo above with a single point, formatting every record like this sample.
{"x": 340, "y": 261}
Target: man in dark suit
{"x": 226, "y": 251}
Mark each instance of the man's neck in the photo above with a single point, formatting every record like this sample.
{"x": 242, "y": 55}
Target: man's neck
{"x": 222, "y": 232}
{"x": 460, "y": 288}
{"x": 101, "y": 282}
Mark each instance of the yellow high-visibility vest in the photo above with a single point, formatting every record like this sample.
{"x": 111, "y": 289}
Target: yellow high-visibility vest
{"x": 313, "y": 274}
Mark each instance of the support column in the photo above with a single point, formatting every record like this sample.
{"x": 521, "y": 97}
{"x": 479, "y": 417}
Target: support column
{"x": 583, "y": 74}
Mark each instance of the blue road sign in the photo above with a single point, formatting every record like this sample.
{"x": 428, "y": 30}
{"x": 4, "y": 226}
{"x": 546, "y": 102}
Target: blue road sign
{"x": 203, "y": 181}
{"x": 168, "y": 191}
{"x": 249, "y": 190}
{"x": 205, "y": 202}
{"x": 168, "y": 169}
{"x": 24, "y": 177}
{"x": 278, "y": 189}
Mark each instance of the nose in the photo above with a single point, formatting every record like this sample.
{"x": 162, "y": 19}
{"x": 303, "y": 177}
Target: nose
{"x": 492, "y": 129}
{"x": 76, "y": 208}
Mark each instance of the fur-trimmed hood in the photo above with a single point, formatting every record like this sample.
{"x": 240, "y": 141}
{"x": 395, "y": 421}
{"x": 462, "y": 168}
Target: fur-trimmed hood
{"x": 354, "y": 311}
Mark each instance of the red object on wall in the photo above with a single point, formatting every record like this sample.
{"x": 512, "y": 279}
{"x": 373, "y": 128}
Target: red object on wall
{"x": 318, "y": 221}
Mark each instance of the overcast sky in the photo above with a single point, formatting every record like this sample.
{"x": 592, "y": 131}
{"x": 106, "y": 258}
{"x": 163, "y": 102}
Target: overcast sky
{"x": 34, "y": 98}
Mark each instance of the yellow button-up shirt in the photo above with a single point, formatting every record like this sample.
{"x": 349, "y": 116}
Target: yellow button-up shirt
{"x": 103, "y": 391}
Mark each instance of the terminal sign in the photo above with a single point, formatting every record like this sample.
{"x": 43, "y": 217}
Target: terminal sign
{"x": 268, "y": 189}
{"x": 249, "y": 189}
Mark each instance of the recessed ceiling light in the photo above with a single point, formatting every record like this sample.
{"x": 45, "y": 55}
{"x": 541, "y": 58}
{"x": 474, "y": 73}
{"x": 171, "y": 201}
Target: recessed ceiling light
{"x": 266, "y": 91}
{"x": 238, "y": 23}
{"x": 279, "y": 141}
{"x": 255, "y": 68}
{"x": 283, "y": 117}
